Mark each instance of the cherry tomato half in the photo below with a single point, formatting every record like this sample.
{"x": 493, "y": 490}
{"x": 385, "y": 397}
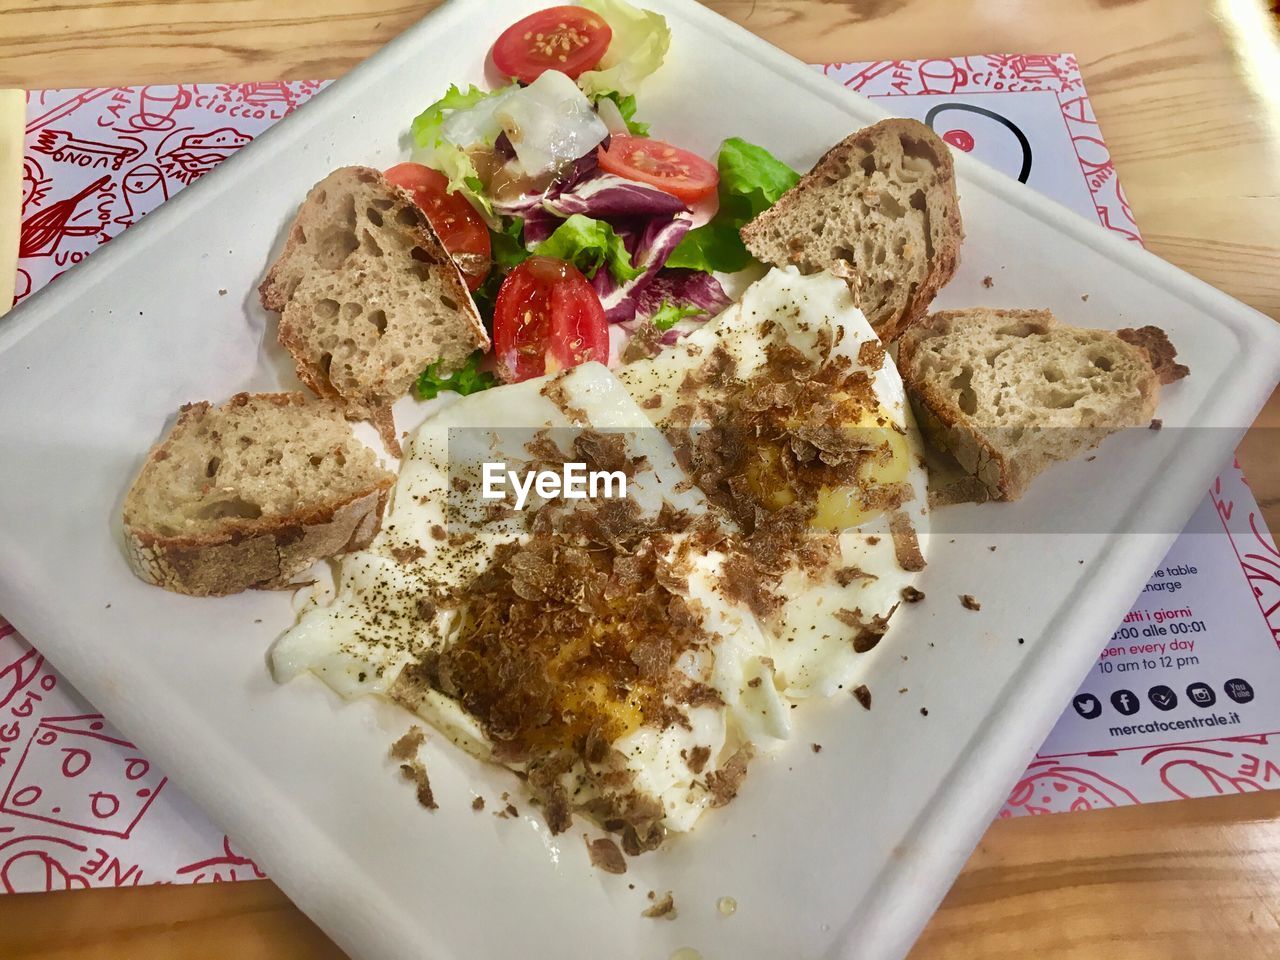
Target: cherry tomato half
{"x": 569, "y": 39}
{"x": 547, "y": 318}
{"x": 679, "y": 172}
{"x": 461, "y": 229}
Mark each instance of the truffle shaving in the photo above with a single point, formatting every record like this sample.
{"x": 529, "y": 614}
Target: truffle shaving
{"x": 663, "y": 909}
{"x": 723, "y": 784}
{"x": 906, "y": 547}
{"x": 605, "y": 855}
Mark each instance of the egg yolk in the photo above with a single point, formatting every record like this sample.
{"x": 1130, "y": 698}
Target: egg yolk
{"x": 837, "y": 507}
{"x": 591, "y": 695}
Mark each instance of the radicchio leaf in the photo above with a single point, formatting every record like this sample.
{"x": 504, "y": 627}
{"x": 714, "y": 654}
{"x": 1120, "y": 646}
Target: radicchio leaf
{"x": 649, "y": 242}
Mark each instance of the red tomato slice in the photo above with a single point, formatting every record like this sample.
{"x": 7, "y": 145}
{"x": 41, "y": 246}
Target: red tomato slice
{"x": 547, "y": 318}
{"x": 678, "y": 172}
{"x": 569, "y": 39}
{"x": 461, "y": 229}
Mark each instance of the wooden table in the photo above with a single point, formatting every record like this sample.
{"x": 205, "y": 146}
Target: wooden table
{"x": 1188, "y": 95}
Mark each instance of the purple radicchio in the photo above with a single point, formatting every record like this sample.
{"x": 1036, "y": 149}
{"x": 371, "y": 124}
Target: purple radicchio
{"x": 682, "y": 288}
{"x": 520, "y": 206}
{"x": 649, "y": 242}
{"x": 677, "y": 287}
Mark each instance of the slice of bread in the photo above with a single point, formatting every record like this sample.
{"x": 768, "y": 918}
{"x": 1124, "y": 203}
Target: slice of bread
{"x": 250, "y": 494}
{"x": 879, "y": 209}
{"x": 368, "y": 296}
{"x": 1008, "y": 392}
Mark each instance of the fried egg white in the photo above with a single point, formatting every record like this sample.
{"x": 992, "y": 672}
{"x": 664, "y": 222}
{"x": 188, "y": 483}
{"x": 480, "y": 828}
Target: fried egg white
{"x": 812, "y": 637}
{"x": 375, "y": 627}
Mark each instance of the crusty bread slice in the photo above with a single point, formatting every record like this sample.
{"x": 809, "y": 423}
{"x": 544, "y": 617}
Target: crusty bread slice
{"x": 879, "y": 209}
{"x": 1008, "y": 392}
{"x": 368, "y": 296}
{"x": 251, "y": 493}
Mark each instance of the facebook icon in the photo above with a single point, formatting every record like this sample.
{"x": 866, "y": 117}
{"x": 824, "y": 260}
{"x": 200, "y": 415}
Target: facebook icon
{"x": 1125, "y": 702}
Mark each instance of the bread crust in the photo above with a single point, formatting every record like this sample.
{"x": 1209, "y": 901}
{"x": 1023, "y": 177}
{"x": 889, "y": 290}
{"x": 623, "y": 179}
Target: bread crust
{"x": 264, "y": 552}
{"x": 1160, "y": 351}
{"x": 946, "y": 255}
{"x": 215, "y": 566}
{"x": 1004, "y": 477}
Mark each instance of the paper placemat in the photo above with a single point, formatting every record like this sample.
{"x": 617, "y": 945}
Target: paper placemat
{"x": 80, "y": 807}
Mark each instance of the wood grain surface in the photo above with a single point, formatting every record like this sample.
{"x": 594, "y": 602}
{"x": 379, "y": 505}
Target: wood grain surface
{"x": 1188, "y": 96}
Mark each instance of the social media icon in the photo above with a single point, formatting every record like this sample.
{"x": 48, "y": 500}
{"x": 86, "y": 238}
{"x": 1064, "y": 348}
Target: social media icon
{"x": 1126, "y": 702}
{"x": 1201, "y": 694}
{"x": 1238, "y": 690}
{"x": 1162, "y": 697}
{"x": 1087, "y": 705}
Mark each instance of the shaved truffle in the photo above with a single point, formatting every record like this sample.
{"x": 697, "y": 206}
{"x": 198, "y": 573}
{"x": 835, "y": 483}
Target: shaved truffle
{"x": 906, "y": 547}
{"x": 605, "y": 855}
{"x": 847, "y": 575}
{"x": 698, "y": 758}
{"x": 866, "y": 633}
{"x": 407, "y": 746}
{"x": 723, "y": 784}
{"x": 645, "y": 342}
{"x": 416, "y": 772}
{"x": 664, "y": 908}
{"x": 871, "y": 354}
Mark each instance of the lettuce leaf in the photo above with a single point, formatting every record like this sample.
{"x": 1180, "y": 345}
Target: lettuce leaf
{"x": 589, "y": 244}
{"x": 752, "y": 177}
{"x": 508, "y": 252}
{"x": 640, "y": 42}
{"x": 650, "y": 241}
{"x": 712, "y": 247}
{"x": 467, "y": 379}
{"x": 437, "y": 151}
{"x": 627, "y": 108}
{"x": 669, "y": 314}
{"x": 508, "y": 246}
{"x": 751, "y": 181}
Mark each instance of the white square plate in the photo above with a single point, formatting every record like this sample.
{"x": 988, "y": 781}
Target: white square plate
{"x": 839, "y": 854}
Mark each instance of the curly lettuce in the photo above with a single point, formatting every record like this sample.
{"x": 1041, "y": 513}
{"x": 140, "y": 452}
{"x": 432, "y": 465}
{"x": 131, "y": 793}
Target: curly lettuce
{"x": 640, "y": 42}
{"x": 435, "y": 148}
{"x": 467, "y": 379}
{"x": 589, "y": 245}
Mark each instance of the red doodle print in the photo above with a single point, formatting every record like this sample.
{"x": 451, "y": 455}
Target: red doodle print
{"x": 155, "y": 109}
{"x": 1058, "y": 74}
{"x": 960, "y": 139}
{"x": 36, "y": 863}
{"x": 44, "y": 231}
{"x": 123, "y": 152}
{"x": 142, "y": 188}
{"x": 195, "y": 154}
{"x": 35, "y": 185}
{"x": 1048, "y": 787}
{"x": 229, "y": 865}
{"x": 62, "y": 103}
{"x": 74, "y": 773}
{"x": 66, "y": 147}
